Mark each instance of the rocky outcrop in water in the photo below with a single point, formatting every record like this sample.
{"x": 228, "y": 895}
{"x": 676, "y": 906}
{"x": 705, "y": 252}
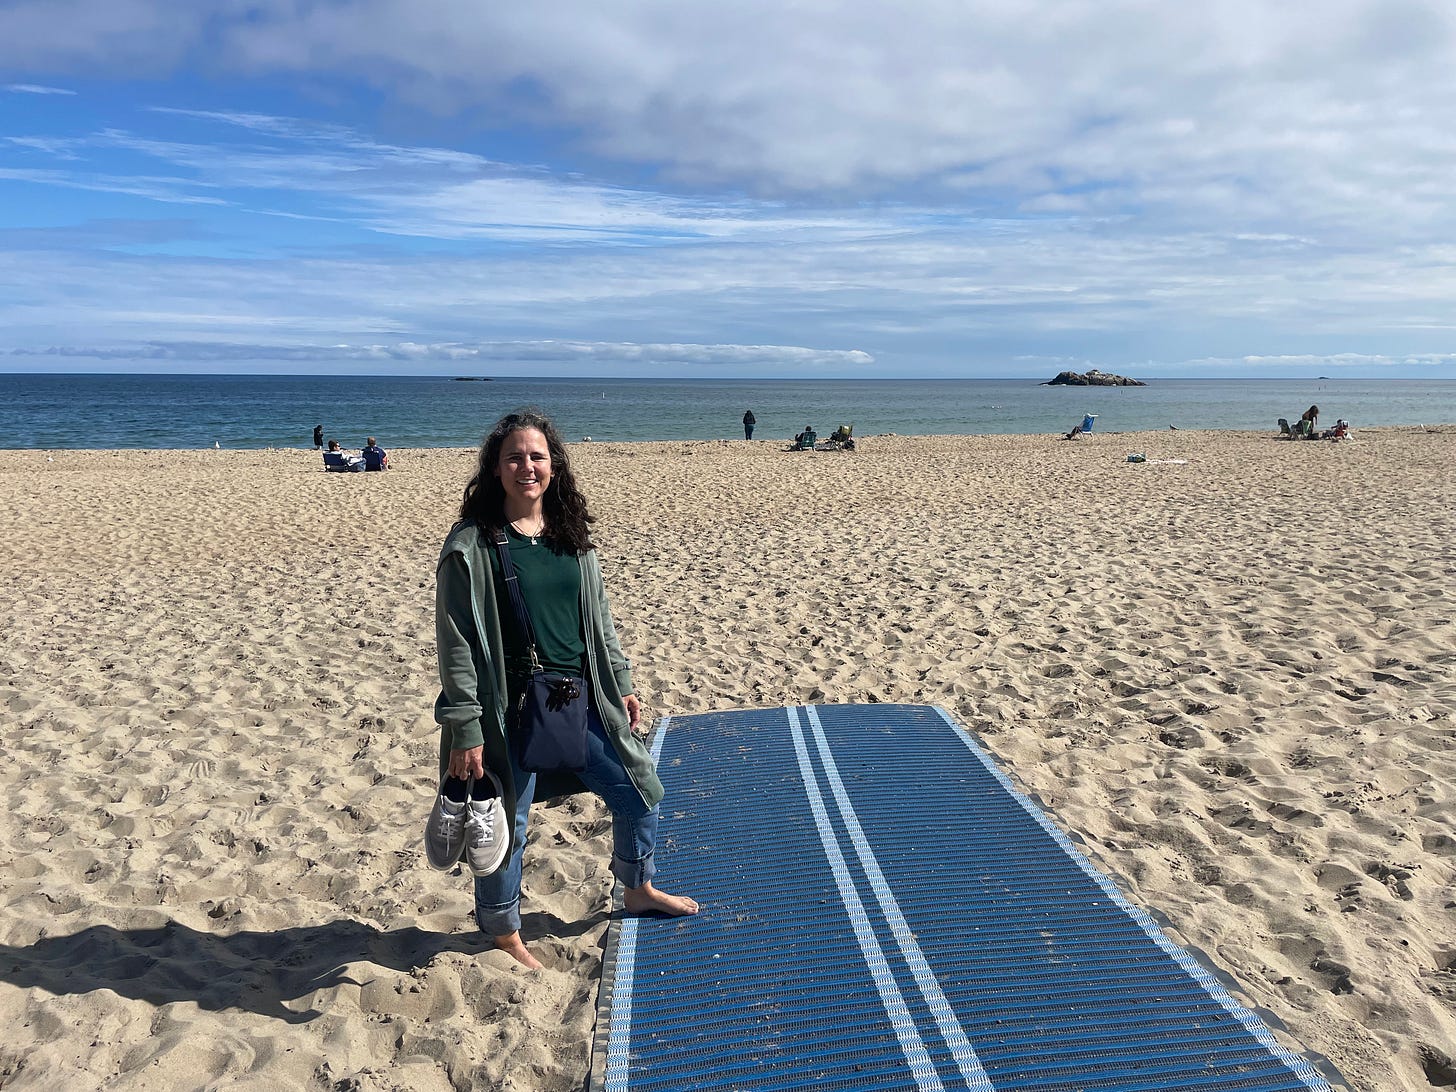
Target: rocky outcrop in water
{"x": 1094, "y": 378}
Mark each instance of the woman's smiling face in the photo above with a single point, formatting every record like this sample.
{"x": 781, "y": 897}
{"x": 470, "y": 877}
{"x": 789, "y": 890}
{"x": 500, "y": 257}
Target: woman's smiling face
{"x": 524, "y": 468}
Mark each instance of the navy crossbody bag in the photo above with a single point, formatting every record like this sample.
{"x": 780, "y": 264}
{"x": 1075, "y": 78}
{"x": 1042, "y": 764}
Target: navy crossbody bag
{"x": 548, "y": 723}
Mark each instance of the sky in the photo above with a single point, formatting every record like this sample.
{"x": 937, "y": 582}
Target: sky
{"x": 668, "y": 188}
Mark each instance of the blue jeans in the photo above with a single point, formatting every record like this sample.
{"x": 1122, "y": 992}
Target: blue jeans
{"x": 634, "y": 832}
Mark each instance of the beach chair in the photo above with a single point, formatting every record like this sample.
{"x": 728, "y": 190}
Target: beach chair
{"x": 338, "y": 462}
{"x": 1284, "y": 430}
{"x": 805, "y": 440}
{"x": 839, "y": 440}
{"x": 1078, "y": 431}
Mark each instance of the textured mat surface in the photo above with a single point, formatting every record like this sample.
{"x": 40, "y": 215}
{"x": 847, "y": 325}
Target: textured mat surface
{"x": 882, "y": 910}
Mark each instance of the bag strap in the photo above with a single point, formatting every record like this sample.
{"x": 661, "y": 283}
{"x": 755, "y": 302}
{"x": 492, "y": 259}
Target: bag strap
{"x": 518, "y": 601}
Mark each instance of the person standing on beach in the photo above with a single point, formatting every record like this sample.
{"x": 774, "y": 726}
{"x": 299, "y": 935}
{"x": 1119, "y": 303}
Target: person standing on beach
{"x": 318, "y": 436}
{"x": 749, "y": 420}
{"x": 524, "y": 487}
{"x": 1308, "y": 421}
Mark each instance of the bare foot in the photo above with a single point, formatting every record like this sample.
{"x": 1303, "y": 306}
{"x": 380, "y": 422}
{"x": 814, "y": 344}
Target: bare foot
{"x": 646, "y": 899}
{"x": 513, "y": 945}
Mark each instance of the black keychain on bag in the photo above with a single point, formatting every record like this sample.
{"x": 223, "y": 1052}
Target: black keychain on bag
{"x": 549, "y": 729}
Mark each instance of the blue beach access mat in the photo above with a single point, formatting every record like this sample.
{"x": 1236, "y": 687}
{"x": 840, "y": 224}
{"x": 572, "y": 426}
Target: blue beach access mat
{"x": 882, "y": 909}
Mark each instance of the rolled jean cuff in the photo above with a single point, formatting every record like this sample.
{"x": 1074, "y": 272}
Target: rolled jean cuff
{"x": 633, "y": 873}
{"x": 499, "y": 921}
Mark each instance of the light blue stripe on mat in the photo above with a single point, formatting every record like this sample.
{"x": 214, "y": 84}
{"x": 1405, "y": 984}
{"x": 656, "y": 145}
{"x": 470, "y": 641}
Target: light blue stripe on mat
{"x": 901, "y": 1022}
{"x": 622, "y": 958}
{"x": 950, "y": 1028}
{"x": 882, "y": 910}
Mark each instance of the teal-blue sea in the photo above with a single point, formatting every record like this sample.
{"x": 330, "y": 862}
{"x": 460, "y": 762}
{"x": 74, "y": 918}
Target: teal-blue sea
{"x": 193, "y": 411}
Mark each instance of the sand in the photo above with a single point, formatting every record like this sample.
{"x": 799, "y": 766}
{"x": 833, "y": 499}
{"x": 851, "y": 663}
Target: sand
{"x": 1232, "y": 675}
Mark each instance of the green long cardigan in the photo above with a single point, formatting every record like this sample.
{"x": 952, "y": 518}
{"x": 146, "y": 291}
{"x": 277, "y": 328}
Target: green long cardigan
{"x": 471, "y": 708}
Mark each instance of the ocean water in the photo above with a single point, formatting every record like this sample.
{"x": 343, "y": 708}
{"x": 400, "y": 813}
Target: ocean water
{"x": 171, "y": 411}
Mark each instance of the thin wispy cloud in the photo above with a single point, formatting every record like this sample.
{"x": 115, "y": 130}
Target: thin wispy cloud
{"x": 177, "y": 191}
{"x": 61, "y": 149}
{"x": 416, "y": 191}
{"x": 36, "y": 89}
{"x": 1353, "y": 360}
{"x": 512, "y": 352}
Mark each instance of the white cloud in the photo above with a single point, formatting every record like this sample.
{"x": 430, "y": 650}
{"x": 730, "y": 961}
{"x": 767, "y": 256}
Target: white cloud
{"x": 36, "y": 89}
{"x": 1239, "y": 115}
{"x": 1234, "y": 105}
{"x": 94, "y": 37}
{"x": 169, "y": 190}
{"x": 546, "y": 209}
{"x": 426, "y": 192}
{"x": 56, "y": 148}
{"x": 1052, "y": 176}
{"x": 1363, "y": 361}
{"x": 955, "y": 286}
{"x": 509, "y": 352}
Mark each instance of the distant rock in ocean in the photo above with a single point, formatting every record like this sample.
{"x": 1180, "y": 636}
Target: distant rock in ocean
{"x": 1094, "y": 378}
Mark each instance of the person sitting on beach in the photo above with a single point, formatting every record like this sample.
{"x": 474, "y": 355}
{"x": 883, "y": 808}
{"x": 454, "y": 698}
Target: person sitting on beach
{"x": 374, "y": 456}
{"x": 805, "y": 440}
{"x": 342, "y": 461}
{"x": 523, "y": 488}
{"x": 1341, "y": 431}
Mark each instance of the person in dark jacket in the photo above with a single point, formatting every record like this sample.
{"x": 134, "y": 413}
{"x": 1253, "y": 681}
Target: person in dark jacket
{"x": 375, "y": 457}
{"x": 749, "y": 420}
{"x": 318, "y": 435}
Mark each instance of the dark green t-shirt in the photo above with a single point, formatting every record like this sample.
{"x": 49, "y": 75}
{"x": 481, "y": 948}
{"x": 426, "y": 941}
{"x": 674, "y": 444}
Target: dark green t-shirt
{"x": 551, "y": 584}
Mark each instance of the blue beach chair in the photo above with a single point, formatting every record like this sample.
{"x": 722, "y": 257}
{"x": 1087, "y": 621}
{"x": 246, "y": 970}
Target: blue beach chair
{"x": 1085, "y": 427}
{"x": 338, "y": 462}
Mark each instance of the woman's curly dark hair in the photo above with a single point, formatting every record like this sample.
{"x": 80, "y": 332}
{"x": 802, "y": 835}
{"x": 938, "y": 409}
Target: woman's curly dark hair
{"x": 568, "y": 522}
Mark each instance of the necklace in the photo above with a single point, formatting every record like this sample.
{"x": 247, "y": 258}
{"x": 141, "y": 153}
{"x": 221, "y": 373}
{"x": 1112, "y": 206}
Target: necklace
{"x": 532, "y": 535}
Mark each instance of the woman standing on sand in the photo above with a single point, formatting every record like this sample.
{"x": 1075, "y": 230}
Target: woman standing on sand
{"x": 523, "y": 485}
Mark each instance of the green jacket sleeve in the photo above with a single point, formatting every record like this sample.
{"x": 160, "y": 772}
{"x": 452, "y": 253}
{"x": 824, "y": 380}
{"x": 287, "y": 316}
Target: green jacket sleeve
{"x": 621, "y": 666}
{"x": 457, "y": 710}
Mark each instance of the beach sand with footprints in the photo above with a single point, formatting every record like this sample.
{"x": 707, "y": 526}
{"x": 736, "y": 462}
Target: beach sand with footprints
{"x": 1231, "y": 669}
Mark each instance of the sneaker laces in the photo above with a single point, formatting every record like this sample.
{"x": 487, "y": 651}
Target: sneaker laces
{"x": 478, "y": 827}
{"x": 450, "y": 821}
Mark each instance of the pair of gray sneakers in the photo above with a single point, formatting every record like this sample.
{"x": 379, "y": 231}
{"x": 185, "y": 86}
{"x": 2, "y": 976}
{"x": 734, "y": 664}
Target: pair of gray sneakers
{"x": 476, "y": 831}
